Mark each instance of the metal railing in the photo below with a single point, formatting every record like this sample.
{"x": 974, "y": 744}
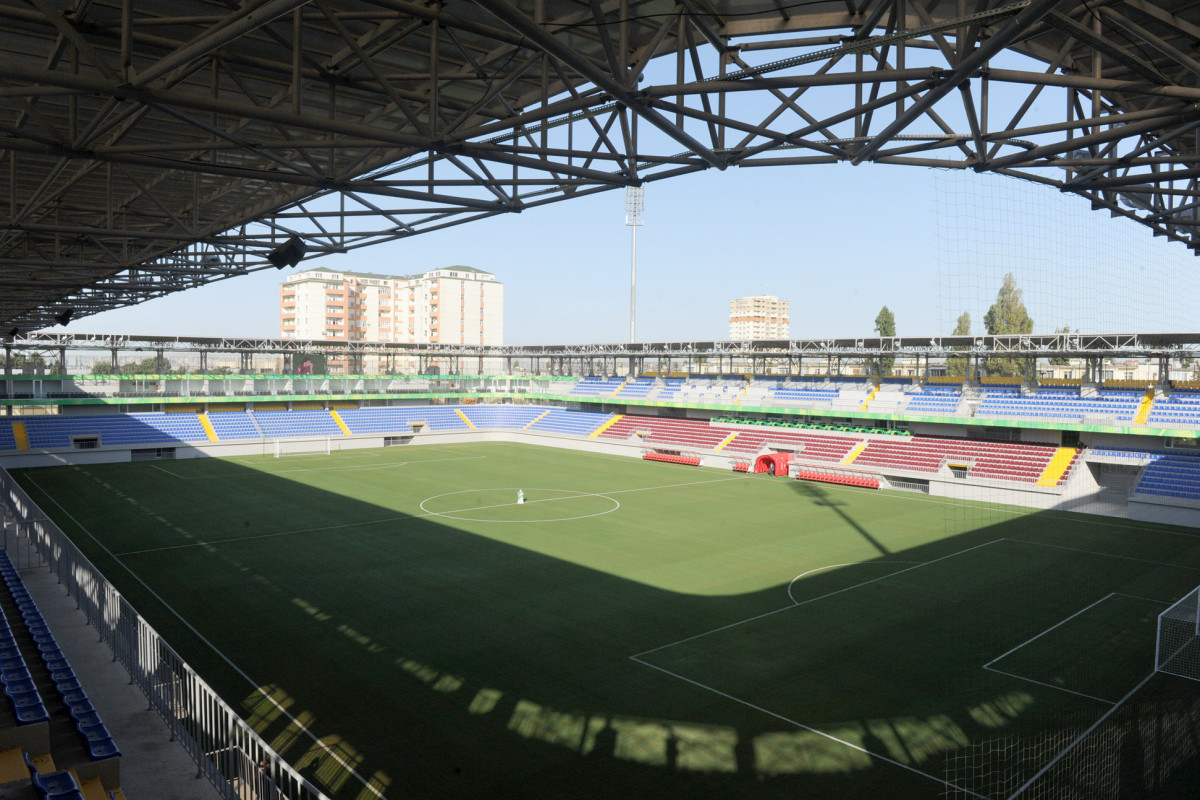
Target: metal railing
{"x": 234, "y": 759}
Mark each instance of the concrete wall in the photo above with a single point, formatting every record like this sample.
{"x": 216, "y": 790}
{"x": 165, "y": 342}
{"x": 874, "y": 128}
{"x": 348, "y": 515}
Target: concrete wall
{"x": 1144, "y": 511}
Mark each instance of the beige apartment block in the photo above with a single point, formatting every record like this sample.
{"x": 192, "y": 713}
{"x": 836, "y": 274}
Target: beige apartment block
{"x": 764, "y": 316}
{"x": 451, "y": 305}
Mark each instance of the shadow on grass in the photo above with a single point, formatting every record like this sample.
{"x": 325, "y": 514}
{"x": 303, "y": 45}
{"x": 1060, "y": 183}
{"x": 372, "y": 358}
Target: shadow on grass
{"x": 383, "y": 653}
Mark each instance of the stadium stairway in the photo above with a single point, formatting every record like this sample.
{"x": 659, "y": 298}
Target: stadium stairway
{"x": 725, "y": 442}
{"x": 869, "y": 398}
{"x": 855, "y": 453}
{"x": 337, "y": 418}
{"x": 1062, "y": 461}
{"x": 460, "y": 413}
{"x": 1143, "y": 412}
{"x": 21, "y": 437}
{"x": 208, "y": 428}
{"x": 536, "y": 420}
{"x": 612, "y": 421}
{"x": 152, "y": 765}
{"x": 68, "y": 747}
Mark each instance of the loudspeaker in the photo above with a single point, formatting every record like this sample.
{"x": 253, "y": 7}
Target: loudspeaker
{"x": 64, "y": 316}
{"x": 289, "y": 253}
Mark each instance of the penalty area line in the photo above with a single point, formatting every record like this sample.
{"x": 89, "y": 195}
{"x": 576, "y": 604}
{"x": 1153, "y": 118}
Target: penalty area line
{"x": 1079, "y": 738}
{"x": 802, "y": 726}
{"x": 1048, "y": 685}
{"x": 795, "y": 604}
{"x": 835, "y": 566}
{"x": 169, "y": 472}
{"x": 1058, "y": 624}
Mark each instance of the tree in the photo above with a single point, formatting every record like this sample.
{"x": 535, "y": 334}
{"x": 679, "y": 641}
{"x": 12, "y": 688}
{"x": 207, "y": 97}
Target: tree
{"x": 102, "y": 368}
{"x": 957, "y": 365}
{"x": 21, "y": 360}
{"x": 1007, "y": 315}
{"x": 885, "y": 325}
{"x": 147, "y": 366}
{"x": 1060, "y": 361}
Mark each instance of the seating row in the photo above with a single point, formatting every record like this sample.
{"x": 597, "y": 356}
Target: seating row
{"x": 19, "y": 688}
{"x": 91, "y": 728}
{"x": 596, "y": 387}
{"x": 842, "y": 479}
{"x": 578, "y": 423}
{"x": 670, "y": 458}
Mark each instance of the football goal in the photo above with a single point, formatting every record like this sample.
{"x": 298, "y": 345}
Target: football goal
{"x": 1177, "y": 650}
{"x": 314, "y": 446}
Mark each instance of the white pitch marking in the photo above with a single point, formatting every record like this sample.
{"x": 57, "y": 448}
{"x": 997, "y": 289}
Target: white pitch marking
{"x": 814, "y": 599}
{"x": 398, "y": 518}
{"x": 1047, "y": 685}
{"x": 802, "y": 726}
{"x": 1147, "y": 599}
{"x": 1079, "y": 738}
{"x": 175, "y": 474}
{"x": 835, "y": 566}
{"x": 1058, "y": 624}
{"x": 573, "y": 496}
{"x": 1106, "y": 555}
{"x": 258, "y": 686}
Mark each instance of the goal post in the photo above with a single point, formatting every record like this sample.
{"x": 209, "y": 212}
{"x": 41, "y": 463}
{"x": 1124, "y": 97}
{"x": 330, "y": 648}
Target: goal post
{"x": 302, "y": 447}
{"x": 1177, "y": 645}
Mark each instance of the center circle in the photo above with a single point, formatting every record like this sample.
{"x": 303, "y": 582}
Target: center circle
{"x": 500, "y": 504}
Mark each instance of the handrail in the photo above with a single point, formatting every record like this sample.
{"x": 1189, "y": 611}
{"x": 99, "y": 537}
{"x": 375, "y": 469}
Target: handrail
{"x": 226, "y": 750}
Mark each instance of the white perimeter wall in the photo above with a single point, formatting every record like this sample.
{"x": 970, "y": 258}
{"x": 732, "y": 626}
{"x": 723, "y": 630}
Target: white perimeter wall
{"x": 1081, "y": 495}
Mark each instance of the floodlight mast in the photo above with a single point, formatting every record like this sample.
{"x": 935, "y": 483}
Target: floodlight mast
{"x": 634, "y": 203}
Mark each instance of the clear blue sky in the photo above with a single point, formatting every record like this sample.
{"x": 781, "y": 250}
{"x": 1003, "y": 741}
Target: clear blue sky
{"x": 837, "y": 241}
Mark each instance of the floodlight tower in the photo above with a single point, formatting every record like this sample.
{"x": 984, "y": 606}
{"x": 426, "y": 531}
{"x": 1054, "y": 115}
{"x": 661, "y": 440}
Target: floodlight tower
{"x": 634, "y": 203}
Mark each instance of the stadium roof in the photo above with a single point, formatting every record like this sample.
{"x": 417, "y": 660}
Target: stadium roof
{"x": 390, "y": 277}
{"x": 147, "y": 148}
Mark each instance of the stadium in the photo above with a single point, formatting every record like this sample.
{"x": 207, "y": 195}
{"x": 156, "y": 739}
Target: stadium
{"x": 951, "y": 565}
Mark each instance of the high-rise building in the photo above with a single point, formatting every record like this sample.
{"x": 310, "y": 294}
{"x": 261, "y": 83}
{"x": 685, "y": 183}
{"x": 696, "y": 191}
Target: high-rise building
{"x": 762, "y": 317}
{"x": 452, "y": 305}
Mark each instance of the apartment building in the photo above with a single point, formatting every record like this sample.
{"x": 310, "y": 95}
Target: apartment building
{"x": 451, "y": 305}
{"x": 764, "y": 316}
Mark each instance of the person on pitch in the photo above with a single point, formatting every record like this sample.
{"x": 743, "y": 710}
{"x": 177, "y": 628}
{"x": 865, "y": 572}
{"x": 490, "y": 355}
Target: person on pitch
{"x": 520, "y": 496}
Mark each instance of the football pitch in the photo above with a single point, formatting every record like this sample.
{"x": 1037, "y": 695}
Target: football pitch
{"x": 396, "y": 624}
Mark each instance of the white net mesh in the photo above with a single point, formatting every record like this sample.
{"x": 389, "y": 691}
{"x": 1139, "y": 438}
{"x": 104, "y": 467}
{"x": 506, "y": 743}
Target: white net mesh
{"x": 302, "y": 447}
{"x": 1178, "y": 647}
{"x": 1076, "y": 267}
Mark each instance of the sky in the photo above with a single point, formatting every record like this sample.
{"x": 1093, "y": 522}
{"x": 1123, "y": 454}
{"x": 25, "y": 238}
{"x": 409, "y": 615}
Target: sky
{"x": 839, "y": 242}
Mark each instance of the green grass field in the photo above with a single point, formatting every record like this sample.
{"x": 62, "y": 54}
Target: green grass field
{"x": 639, "y": 629}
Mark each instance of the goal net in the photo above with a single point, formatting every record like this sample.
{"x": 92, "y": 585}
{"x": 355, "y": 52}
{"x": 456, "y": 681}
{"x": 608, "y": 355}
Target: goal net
{"x": 302, "y": 447}
{"x": 1177, "y": 651}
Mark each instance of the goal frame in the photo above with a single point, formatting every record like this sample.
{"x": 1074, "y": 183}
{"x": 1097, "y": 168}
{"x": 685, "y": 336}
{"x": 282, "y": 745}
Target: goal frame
{"x": 1182, "y": 615}
{"x": 303, "y": 446}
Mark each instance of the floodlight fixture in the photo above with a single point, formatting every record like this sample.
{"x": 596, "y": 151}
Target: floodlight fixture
{"x": 289, "y": 253}
{"x": 635, "y": 201}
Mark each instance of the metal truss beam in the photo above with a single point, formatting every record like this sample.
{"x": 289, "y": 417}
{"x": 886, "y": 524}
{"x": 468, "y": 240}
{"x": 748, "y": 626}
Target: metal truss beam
{"x": 150, "y": 148}
{"x": 1056, "y": 345}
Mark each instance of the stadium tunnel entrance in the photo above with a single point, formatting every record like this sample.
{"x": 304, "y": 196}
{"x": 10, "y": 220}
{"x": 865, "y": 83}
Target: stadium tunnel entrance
{"x": 773, "y": 463}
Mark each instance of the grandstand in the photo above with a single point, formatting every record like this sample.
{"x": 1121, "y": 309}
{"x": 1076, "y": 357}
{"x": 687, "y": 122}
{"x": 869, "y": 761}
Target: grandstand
{"x": 885, "y": 566}
{"x": 879, "y": 476}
